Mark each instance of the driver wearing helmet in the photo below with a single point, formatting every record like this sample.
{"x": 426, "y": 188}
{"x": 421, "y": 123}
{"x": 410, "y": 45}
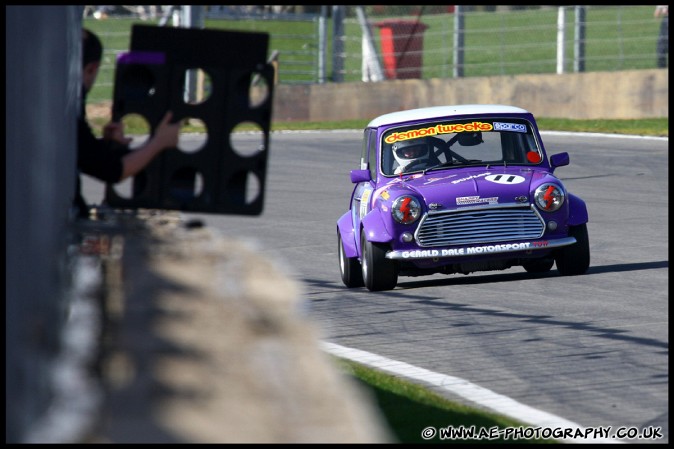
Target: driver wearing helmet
{"x": 411, "y": 154}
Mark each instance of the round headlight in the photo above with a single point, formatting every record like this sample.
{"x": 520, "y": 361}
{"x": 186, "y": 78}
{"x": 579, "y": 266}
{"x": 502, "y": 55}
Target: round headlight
{"x": 549, "y": 197}
{"x": 406, "y": 209}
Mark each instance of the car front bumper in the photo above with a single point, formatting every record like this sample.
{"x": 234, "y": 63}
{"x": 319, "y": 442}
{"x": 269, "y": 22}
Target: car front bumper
{"x": 528, "y": 247}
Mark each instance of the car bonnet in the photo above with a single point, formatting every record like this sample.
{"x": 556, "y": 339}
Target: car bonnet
{"x": 450, "y": 189}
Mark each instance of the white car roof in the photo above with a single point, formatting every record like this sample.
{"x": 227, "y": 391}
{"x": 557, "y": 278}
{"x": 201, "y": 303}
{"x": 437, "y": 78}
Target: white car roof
{"x": 443, "y": 111}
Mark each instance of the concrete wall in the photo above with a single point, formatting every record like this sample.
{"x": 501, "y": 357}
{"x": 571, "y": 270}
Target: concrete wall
{"x": 630, "y": 94}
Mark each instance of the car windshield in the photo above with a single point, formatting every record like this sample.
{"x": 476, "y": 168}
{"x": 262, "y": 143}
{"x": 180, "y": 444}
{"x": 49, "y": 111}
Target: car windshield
{"x": 459, "y": 143}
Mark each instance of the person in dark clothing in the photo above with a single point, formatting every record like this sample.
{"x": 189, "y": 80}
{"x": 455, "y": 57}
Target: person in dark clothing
{"x": 109, "y": 158}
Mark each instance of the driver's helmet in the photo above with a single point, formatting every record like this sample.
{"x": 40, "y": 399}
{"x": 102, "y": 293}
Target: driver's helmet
{"x": 407, "y": 152}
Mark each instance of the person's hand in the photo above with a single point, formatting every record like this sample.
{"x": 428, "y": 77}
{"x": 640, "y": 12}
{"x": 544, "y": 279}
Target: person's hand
{"x": 167, "y": 133}
{"x": 115, "y": 131}
{"x": 165, "y": 136}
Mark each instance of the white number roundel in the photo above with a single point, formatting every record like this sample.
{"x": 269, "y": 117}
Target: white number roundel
{"x": 505, "y": 179}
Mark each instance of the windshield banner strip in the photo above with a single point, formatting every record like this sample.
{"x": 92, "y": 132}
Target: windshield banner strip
{"x": 438, "y": 129}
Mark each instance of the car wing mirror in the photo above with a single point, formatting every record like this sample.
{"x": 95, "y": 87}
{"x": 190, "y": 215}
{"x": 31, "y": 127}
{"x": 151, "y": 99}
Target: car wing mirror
{"x": 360, "y": 176}
{"x": 559, "y": 160}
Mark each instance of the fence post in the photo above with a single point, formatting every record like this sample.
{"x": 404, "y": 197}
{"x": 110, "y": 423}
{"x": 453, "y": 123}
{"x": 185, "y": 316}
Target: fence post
{"x": 459, "y": 28}
{"x": 560, "y": 39}
{"x": 322, "y": 43}
{"x": 338, "y": 43}
{"x": 579, "y": 40}
{"x": 193, "y": 17}
{"x": 372, "y": 70}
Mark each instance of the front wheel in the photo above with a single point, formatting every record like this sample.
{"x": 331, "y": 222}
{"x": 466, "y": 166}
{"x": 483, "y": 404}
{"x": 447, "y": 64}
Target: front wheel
{"x": 349, "y": 267}
{"x": 379, "y": 273}
{"x": 574, "y": 259}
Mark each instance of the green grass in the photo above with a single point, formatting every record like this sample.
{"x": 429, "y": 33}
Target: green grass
{"x": 644, "y": 127}
{"x": 408, "y": 408}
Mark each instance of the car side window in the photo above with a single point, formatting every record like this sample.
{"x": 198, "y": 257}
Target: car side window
{"x": 373, "y": 154}
{"x": 363, "y": 154}
{"x": 387, "y": 159}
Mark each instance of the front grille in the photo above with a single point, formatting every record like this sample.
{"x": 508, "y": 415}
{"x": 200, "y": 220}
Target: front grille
{"x": 491, "y": 224}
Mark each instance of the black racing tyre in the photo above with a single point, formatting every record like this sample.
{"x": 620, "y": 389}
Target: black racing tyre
{"x": 574, "y": 259}
{"x": 379, "y": 273}
{"x": 539, "y": 265}
{"x": 349, "y": 267}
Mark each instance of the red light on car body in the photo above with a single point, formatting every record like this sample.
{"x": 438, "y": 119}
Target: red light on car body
{"x": 533, "y": 157}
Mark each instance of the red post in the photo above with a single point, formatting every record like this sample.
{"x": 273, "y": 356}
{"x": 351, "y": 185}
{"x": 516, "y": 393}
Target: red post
{"x": 402, "y": 47}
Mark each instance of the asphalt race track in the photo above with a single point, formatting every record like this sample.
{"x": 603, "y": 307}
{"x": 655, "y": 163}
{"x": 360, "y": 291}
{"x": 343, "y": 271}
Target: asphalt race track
{"x": 591, "y": 349}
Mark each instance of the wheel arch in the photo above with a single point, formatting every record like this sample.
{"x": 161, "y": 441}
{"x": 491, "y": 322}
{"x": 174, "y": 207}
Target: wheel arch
{"x": 347, "y": 234}
{"x": 577, "y": 211}
{"x": 374, "y": 226}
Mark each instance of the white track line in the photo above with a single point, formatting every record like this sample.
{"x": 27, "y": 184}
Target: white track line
{"x": 497, "y": 402}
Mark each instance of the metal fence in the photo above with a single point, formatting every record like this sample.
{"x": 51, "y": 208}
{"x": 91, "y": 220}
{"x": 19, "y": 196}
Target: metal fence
{"x": 455, "y": 41}
{"x": 320, "y": 44}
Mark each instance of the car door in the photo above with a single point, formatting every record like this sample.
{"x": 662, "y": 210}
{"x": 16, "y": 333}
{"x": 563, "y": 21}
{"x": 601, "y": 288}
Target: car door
{"x": 362, "y": 194}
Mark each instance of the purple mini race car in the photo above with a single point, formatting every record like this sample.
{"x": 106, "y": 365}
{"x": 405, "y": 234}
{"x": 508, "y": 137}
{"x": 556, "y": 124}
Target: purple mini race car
{"x": 458, "y": 189}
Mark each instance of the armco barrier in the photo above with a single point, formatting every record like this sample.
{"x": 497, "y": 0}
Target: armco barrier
{"x": 631, "y": 94}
